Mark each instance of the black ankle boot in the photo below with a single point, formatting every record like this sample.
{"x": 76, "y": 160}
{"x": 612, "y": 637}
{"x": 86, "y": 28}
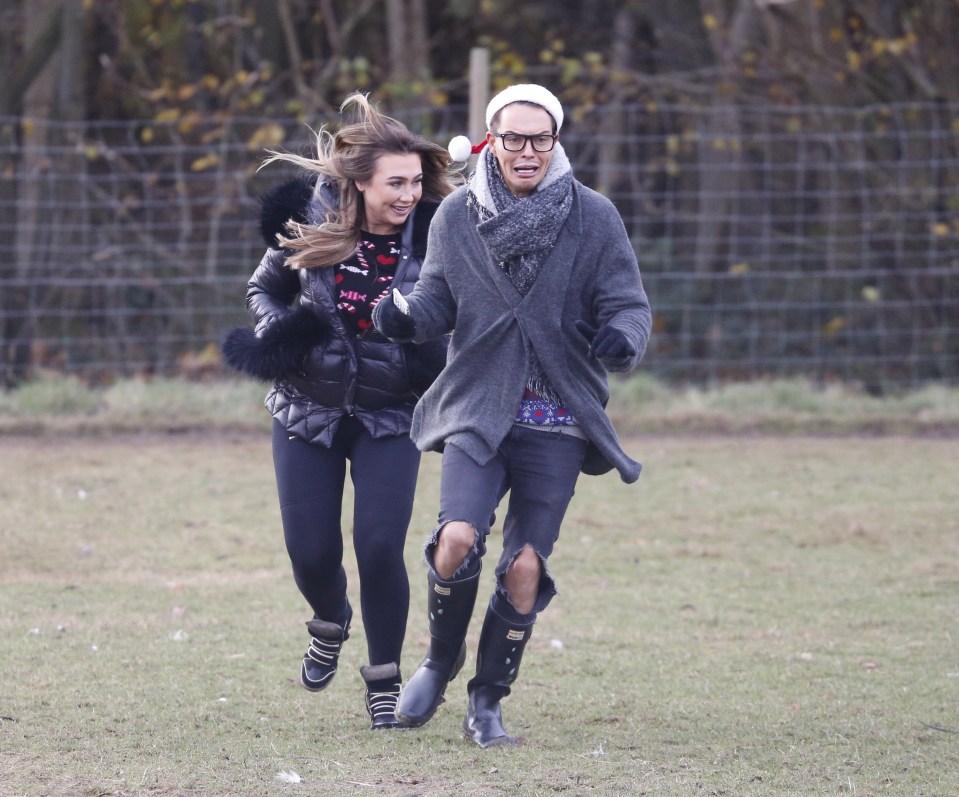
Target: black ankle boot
{"x": 450, "y": 605}
{"x": 382, "y": 691}
{"x": 320, "y": 659}
{"x": 497, "y": 665}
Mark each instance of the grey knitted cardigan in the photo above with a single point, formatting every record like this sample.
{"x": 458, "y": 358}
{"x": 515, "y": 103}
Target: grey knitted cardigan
{"x": 591, "y": 274}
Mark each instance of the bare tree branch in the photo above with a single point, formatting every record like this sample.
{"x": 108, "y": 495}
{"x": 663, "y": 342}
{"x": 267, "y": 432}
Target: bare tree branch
{"x": 40, "y": 52}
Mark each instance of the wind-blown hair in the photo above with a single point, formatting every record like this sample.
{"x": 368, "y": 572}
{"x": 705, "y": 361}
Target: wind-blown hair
{"x": 349, "y": 156}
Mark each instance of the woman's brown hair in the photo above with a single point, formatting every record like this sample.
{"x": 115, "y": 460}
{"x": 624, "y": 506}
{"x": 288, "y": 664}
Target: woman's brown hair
{"x": 349, "y": 156}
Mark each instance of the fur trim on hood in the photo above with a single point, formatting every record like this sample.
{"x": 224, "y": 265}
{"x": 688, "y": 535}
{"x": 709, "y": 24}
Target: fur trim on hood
{"x": 287, "y": 201}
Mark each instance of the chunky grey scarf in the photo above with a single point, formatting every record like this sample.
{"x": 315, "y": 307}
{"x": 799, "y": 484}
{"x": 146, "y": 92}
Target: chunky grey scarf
{"x": 520, "y": 232}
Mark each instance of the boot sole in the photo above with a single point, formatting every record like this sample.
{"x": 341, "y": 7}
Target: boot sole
{"x": 418, "y": 722}
{"x": 497, "y": 741}
{"x": 309, "y": 688}
{"x": 390, "y": 726}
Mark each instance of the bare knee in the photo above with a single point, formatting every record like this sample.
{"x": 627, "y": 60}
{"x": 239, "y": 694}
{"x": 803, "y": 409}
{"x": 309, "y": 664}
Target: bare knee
{"x": 521, "y": 580}
{"x": 526, "y": 567}
{"x": 456, "y": 540}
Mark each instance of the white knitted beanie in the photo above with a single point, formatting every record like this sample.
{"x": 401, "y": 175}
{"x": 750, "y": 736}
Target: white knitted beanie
{"x": 526, "y": 92}
{"x": 460, "y": 148}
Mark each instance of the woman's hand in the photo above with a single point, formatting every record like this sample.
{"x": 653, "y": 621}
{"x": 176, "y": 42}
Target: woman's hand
{"x": 280, "y": 348}
{"x": 392, "y": 318}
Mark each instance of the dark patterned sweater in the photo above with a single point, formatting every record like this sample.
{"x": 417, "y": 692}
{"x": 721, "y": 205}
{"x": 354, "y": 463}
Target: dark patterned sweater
{"x": 364, "y": 279}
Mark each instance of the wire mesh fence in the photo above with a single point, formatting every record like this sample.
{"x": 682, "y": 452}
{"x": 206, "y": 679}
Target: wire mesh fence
{"x": 774, "y": 241}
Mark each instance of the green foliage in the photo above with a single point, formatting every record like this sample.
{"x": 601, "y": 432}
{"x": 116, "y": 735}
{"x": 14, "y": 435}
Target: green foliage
{"x": 49, "y": 398}
{"x": 782, "y": 406}
{"x": 253, "y": 57}
{"x": 639, "y": 404}
{"x": 62, "y": 404}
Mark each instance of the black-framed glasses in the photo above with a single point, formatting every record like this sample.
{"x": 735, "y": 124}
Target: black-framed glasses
{"x": 516, "y": 142}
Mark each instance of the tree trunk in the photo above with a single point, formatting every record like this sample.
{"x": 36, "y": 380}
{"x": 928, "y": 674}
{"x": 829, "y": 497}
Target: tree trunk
{"x": 38, "y": 99}
{"x": 720, "y": 154}
{"x": 42, "y": 238}
{"x": 408, "y": 43}
{"x": 682, "y": 41}
{"x": 419, "y": 53}
{"x": 609, "y": 169}
{"x": 397, "y": 41}
{"x": 271, "y": 43}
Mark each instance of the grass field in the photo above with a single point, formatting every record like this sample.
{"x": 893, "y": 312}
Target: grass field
{"x": 759, "y": 615}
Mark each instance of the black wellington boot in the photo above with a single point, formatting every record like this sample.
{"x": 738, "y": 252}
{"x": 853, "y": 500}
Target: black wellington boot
{"x": 382, "y": 691}
{"x": 497, "y": 665}
{"x": 450, "y": 606}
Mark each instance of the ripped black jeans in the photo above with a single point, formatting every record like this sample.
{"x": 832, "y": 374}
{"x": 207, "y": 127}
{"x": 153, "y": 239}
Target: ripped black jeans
{"x": 539, "y": 470}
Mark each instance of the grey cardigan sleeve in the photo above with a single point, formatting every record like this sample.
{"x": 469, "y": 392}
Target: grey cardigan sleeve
{"x": 432, "y": 304}
{"x": 618, "y": 297}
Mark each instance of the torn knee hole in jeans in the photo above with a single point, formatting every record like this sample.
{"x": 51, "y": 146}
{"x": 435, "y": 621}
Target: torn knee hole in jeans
{"x": 547, "y": 586}
{"x": 471, "y": 562}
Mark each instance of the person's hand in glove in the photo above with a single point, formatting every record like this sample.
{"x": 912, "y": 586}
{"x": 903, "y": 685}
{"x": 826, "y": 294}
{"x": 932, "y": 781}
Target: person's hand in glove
{"x": 606, "y": 343}
{"x": 392, "y": 318}
{"x": 280, "y": 348}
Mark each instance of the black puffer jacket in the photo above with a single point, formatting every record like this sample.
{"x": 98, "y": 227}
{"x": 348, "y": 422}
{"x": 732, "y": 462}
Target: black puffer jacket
{"x": 364, "y": 375}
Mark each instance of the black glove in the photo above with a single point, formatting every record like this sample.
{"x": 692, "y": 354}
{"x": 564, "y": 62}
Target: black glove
{"x": 424, "y": 361}
{"x": 606, "y": 343}
{"x": 392, "y": 322}
{"x": 279, "y": 349}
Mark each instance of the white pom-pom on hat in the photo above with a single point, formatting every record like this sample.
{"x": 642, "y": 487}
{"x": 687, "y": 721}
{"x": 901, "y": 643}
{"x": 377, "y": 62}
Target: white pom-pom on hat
{"x": 460, "y": 149}
{"x": 526, "y": 92}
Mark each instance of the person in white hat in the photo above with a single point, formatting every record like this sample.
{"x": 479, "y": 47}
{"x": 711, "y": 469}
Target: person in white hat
{"x": 536, "y": 277}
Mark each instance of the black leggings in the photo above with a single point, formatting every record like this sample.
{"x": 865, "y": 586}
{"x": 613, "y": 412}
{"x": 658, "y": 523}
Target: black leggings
{"x": 310, "y": 481}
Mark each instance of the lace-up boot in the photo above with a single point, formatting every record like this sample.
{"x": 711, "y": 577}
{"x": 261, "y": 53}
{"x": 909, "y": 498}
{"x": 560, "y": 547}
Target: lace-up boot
{"x": 382, "y": 691}
{"x": 320, "y": 659}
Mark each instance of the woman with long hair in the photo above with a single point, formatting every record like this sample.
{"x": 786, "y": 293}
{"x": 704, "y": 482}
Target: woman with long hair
{"x": 339, "y": 241}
